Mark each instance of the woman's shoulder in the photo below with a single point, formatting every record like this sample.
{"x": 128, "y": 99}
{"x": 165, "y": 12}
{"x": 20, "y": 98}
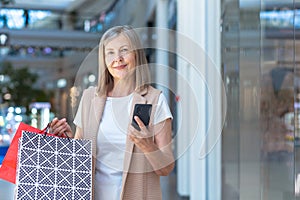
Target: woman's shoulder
{"x": 151, "y": 94}
{"x": 153, "y": 90}
{"x": 92, "y": 90}
{"x": 89, "y": 93}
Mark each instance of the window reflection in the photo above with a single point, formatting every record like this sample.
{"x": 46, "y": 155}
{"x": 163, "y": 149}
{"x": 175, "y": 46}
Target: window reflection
{"x": 12, "y": 18}
{"x": 20, "y": 18}
{"x": 278, "y": 18}
{"x": 277, "y": 121}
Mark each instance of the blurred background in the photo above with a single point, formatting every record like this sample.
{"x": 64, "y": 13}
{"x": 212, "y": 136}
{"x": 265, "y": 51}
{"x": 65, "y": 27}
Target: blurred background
{"x": 231, "y": 81}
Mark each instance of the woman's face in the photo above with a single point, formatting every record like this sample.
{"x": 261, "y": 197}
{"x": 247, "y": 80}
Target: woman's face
{"x": 119, "y": 57}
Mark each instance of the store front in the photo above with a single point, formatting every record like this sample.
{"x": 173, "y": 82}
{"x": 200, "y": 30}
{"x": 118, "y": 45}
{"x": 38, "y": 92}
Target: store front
{"x": 260, "y": 63}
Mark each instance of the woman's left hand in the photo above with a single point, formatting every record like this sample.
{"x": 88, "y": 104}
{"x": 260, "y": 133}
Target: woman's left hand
{"x": 143, "y": 138}
{"x": 159, "y": 152}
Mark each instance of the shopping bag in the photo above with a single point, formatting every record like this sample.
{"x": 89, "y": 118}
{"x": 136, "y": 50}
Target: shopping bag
{"x": 53, "y": 168}
{"x": 9, "y": 164}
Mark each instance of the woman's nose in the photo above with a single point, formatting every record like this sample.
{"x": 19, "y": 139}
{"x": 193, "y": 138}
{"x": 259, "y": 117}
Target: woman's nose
{"x": 119, "y": 58}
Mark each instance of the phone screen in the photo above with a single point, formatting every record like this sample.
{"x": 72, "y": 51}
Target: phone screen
{"x": 143, "y": 111}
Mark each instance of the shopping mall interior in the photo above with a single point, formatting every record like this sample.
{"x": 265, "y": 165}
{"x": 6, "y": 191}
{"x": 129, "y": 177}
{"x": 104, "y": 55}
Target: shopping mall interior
{"x": 228, "y": 69}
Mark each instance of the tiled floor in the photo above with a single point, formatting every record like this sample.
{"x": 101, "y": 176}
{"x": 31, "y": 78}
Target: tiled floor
{"x": 168, "y": 186}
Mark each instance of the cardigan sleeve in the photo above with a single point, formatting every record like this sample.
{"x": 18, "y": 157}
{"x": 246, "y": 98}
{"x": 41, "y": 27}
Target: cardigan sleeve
{"x": 84, "y": 104}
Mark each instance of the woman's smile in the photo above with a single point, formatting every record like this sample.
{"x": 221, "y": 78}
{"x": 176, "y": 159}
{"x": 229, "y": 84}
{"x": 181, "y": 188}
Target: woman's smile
{"x": 120, "y": 67}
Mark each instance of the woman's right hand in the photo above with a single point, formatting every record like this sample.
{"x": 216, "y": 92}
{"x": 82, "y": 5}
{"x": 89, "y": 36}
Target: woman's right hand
{"x": 61, "y": 128}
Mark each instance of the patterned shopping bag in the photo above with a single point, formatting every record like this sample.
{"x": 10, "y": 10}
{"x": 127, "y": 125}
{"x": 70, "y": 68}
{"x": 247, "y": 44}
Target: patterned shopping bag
{"x": 9, "y": 164}
{"x": 53, "y": 168}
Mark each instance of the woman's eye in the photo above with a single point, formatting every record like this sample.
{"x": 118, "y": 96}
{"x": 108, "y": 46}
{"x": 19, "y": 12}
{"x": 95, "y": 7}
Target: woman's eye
{"x": 124, "y": 50}
{"x": 109, "y": 53}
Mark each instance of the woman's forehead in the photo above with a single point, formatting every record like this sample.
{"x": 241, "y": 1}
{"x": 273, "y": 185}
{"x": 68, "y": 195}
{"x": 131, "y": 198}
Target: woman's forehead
{"x": 118, "y": 41}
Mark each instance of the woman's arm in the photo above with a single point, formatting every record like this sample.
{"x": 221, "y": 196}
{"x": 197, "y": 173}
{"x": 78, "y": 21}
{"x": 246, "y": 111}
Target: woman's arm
{"x": 158, "y": 152}
{"x": 78, "y": 133}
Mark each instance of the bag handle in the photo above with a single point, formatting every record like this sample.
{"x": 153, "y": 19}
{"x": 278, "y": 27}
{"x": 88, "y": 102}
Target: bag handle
{"x": 47, "y": 128}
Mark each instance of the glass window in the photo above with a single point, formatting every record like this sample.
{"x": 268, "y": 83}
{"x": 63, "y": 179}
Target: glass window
{"x": 12, "y": 18}
{"x": 19, "y": 18}
{"x": 260, "y": 66}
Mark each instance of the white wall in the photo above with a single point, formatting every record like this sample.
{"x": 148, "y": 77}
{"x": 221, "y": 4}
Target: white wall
{"x": 199, "y": 174}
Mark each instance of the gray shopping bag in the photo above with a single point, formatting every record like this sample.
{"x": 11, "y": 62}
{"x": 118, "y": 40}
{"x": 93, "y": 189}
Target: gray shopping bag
{"x": 53, "y": 168}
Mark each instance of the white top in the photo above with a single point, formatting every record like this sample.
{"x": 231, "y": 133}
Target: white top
{"x": 111, "y": 142}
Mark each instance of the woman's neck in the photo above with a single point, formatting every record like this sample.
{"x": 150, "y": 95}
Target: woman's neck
{"x": 121, "y": 89}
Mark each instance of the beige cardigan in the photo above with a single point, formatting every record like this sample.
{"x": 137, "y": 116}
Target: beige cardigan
{"x": 140, "y": 182}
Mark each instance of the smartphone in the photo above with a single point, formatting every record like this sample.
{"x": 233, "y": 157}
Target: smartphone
{"x": 143, "y": 111}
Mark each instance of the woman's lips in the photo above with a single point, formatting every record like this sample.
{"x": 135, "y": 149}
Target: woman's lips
{"x": 120, "y": 67}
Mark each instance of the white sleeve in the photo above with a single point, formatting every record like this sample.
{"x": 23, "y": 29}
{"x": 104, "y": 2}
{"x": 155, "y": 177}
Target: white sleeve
{"x": 77, "y": 119}
{"x": 162, "y": 110}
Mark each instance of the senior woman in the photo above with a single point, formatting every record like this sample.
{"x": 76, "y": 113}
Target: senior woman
{"x": 127, "y": 161}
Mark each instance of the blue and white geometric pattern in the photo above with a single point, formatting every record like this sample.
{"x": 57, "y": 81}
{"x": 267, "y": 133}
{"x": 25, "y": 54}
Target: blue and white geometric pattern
{"x": 54, "y": 168}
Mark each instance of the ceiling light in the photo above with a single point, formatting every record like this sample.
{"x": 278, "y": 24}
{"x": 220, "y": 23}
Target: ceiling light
{"x": 61, "y": 83}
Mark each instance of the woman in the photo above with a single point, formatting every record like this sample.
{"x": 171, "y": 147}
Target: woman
{"x": 127, "y": 162}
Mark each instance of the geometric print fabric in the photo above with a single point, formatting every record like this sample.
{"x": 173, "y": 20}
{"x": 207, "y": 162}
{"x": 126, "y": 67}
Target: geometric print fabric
{"x": 53, "y": 168}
